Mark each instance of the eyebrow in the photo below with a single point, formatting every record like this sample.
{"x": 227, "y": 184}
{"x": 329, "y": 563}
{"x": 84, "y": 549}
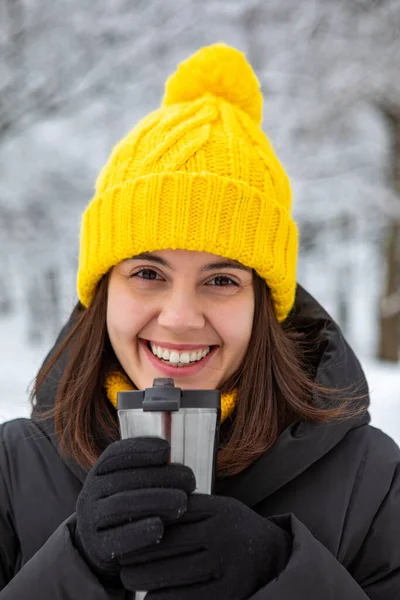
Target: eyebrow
{"x": 221, "y": 264}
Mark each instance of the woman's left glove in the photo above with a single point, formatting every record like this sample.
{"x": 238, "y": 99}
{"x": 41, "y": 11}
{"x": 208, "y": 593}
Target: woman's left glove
{"x": 218, "y": 549}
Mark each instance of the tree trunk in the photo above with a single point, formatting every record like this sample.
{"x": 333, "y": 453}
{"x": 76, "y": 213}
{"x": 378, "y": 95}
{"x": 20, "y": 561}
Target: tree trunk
{"x": 52, "y": 286}
{"x": 344, "y": 288}
{"x": 390, "y": 303}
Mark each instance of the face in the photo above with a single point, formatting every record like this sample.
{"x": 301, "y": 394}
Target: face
{"x": 194, "y": 314}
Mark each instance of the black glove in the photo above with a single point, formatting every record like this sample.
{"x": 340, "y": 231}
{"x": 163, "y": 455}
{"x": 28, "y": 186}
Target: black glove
{"x": 128, "y": 497}
{"x": 219, "y": 549}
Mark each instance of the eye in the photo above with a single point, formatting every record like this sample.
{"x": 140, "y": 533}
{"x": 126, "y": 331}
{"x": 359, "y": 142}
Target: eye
{"x": 148, "y": 274}
{"x": 151, "y": 275}
{"x": 224, "y": 281}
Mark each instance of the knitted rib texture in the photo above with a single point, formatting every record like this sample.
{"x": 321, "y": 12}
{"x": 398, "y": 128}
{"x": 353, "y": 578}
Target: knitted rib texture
{"x": 196, "y": 174}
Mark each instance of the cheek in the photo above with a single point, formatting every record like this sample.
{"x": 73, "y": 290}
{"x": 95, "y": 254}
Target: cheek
{"x": 235, "y": 327}
{"x": 123, "y": 315}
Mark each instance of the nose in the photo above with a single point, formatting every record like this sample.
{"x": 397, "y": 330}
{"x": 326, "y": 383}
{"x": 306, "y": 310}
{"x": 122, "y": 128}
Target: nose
{"x": 180, "y": 312}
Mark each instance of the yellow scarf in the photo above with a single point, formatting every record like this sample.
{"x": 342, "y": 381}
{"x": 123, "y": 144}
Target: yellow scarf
{"x": 118, "y": 382}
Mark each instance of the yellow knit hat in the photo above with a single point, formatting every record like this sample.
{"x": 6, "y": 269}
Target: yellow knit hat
{"x": 196, "y": 174}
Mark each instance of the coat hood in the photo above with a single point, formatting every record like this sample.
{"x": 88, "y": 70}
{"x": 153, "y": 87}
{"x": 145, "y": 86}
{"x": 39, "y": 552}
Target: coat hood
{"x": 300, "y": 445}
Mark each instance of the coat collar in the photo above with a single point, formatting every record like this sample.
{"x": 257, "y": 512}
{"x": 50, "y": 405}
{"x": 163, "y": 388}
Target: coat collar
{"x": 302, "y": 444}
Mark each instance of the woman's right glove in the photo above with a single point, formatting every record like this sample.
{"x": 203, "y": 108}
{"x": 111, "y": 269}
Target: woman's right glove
{"x": 128, "y": 496}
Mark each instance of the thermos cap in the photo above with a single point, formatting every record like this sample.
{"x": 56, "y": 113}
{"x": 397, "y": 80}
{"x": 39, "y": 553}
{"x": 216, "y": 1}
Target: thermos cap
{"x": 164, "y": 396}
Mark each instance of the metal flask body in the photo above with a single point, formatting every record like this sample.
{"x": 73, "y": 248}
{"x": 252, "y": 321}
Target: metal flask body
{"x": 188, "y": 419}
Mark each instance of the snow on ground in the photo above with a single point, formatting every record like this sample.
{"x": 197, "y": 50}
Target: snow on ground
{"x": 18, "y": 365}
{"x": 384, "y": 385}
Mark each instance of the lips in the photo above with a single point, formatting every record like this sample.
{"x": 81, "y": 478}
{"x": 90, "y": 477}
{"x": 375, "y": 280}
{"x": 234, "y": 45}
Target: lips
{"x": 172, "y": 371}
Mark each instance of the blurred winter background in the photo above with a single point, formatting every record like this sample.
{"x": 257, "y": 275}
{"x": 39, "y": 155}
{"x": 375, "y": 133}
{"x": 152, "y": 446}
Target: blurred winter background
{"x": 76, "y": 75}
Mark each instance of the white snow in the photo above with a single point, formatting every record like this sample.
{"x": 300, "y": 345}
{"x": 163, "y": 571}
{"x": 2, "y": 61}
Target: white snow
{"x": 19, "y": 363}
{"x": 384, "y": 384}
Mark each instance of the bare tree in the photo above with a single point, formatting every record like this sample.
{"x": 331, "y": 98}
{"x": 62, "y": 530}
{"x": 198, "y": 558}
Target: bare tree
{"x": 362, "y": 46}
{"x": 340, "y": 57}
{"x": 389, "y": 346}
{"x": 58, "y": 57}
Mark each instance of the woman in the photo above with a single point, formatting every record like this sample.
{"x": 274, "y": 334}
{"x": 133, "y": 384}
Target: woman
{"x": 187, "y": 269}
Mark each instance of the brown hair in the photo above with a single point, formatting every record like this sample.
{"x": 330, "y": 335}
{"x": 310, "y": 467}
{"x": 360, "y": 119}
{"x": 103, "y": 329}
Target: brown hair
{"x": 275, "y": 385}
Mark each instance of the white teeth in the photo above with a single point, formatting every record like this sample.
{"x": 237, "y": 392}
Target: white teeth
{"x": 179, "y": 359}
{"x": 184, "y": 358}
{"x": 174, "y": 357}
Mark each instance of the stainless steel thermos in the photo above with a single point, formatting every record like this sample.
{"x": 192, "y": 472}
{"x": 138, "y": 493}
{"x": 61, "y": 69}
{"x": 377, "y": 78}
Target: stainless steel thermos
{"x": 188, "y": 419}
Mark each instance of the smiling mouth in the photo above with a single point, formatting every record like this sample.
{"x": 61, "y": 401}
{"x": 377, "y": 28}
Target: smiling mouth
{"x": 181, "y": 359}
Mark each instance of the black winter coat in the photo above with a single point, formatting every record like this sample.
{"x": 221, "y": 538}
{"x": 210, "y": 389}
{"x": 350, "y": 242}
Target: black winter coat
{"x": 336, "y": 486}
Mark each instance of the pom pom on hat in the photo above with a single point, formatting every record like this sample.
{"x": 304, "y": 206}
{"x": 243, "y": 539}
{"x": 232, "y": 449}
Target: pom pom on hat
{"x": 218, "y": 70}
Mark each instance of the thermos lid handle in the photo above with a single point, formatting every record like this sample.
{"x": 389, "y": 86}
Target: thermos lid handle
{"x": 162, "y": 396}
{"x": 163, "y": 382}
